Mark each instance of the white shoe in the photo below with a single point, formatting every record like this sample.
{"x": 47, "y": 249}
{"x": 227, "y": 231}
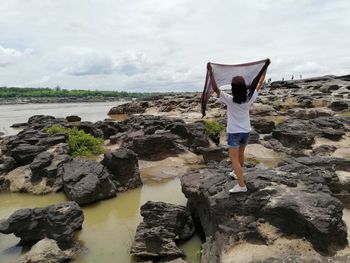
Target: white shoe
{"x": 238, "y": 189}
{"x": 232, "y": 175}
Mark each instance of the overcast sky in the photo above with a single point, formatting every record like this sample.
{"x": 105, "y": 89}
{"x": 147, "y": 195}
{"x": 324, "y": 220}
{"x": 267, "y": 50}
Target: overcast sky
{"x": 164, "y": 45}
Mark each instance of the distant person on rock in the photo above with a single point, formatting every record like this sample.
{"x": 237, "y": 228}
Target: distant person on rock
{"x": 238, "y": 125}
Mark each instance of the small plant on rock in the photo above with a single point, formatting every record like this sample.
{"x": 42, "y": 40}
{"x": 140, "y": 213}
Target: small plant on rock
{"x": 79, "y": 142}
{"x": 56, "y": 128}
{"x": 213, "y": 130}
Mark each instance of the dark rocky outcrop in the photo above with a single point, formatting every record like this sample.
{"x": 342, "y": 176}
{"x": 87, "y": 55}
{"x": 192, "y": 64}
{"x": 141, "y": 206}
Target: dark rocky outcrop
{"x": 339, "y": 105}
{"x": 25, "y": 153}
{"x": 124, "y": 168}
{"x": 155, "y": 146}
{"x": 262, "y": 125}
{"x": 73, "y": 118}
{"x": 129, "y": 108}
{"x": 86, "y": 181}
{"x": 216, "y": 154}
{"x": 297, "y": 198}
{"x": 57, "y": 222}
{"x": 163, "y": 226}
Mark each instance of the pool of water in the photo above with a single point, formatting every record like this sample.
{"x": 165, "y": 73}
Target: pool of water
{"x": 109, "y": 226}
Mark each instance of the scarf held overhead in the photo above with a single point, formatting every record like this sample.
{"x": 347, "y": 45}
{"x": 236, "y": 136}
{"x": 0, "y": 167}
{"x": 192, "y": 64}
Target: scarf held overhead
{"x": 219, "y": 75}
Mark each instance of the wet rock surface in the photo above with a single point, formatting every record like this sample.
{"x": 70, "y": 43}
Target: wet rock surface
{"x": 164, "y": 225}
{"x": 86, "y": 181}
{"x": 57, "y": 222}
{"x": 44, "y": 251}
{"x": 297, "y": 198}
{"x": 124, "y": 168}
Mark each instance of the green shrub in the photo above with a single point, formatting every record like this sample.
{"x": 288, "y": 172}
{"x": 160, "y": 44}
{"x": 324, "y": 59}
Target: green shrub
{"x": 213, "y": 130}
{"x": 79, "y": 142}
{"x": 56, "y": 128}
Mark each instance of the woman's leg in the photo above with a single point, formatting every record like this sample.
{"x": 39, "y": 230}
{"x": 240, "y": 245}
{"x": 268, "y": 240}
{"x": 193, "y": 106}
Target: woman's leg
{"x": 236, "y": 166}
{"x": 241, "y": 154}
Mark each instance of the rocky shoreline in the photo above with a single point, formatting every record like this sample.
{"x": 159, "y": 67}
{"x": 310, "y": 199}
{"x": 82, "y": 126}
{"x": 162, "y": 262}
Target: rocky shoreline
{"x": 293, "y": 207}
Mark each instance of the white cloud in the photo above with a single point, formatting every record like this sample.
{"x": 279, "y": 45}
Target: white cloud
{"x": 10, "y": 56}
{"x": 164, "y": 45}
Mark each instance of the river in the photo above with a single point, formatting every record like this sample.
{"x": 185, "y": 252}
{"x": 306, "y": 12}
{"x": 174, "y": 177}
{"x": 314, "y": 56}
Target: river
{"x": 109, "y": 226}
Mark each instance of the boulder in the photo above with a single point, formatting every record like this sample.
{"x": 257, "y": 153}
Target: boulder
{"x": 163, "y": 225}
{"x": 216, "y": 154}
{"x": 156, "y": 146}
{"x": 339, "y": 105}
{"x": 324, "y": 150}
{"x": 175, "y": 218}
{"x": 86, "y": 181}
{"x": 262, "y": 125}
{"x": 57, "y": 222}
{"x": 7, "y": 163}
{"x": 73, "y": 118}
{"x": 89, "y": 127}
{"x": 124, "y": 168}
{"x": 131, "y": 107}
{"x": 107, "y": 128}
{"x": 45, "y": 251}
{"x": 41, "y": 161}
{"x": 25, "y": 153}
{"x": 296, "y": 198}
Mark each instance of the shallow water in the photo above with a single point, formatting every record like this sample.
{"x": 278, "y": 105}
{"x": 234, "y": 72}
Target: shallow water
{"x": 92, "y": 111}
{"x": 109, "y": 226}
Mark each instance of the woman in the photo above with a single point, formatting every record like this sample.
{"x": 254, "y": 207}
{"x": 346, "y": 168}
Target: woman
{"x": 238, "y": 125}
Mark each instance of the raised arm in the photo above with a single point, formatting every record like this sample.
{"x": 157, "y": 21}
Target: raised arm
{"x": 261, "y": 81}
{"x": 262, "y": 78}
{"x": 215, "y": 88}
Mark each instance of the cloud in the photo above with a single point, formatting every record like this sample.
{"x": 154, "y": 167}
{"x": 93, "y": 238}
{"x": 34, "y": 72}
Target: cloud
{"x": 10, "y": 56}
{"x": 164, "y": 45}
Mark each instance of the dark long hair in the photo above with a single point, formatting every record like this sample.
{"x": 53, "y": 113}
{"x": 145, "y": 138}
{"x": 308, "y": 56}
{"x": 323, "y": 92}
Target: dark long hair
{"x": 239, "y": 89}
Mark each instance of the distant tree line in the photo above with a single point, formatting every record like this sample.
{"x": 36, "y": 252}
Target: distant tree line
{"x": 11, "y": 92}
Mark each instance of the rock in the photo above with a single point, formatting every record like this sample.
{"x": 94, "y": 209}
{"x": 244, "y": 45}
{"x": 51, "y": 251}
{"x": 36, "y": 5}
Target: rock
{"x": 7, "y": 163}
{"x": 306, "y": 114}
{"x": 296, "y": 198}
{"x": 216, "y": 154}
{"x": 86, "y": 181}
{"x": 20, "y": 180}
{"x": 90, "y": 128}
{"x": 127, "y": 108}
{"x": 262, "y": 125}
{"x": 107, "y": 129}
{"x": 155, "y": 146}
{"x": 339, "y": 105}
{"x": 41, "y": 161}
{"x": 329, "y": 88}
{"x": 253, "y": 137}
{"x": 57, "y": 222}
{"x": 163, "y": 224}
{"x": 156, "y": 242}
{"x": 73, "y": 118}
{"x": 324, "y": 150}
{"x": 45, "y": 251}
{"x": 123, "y": 165}
{"x": 19, "y": 125}
{"x": 259, "y": 109}
{"x": 175, "y": 218}
{"x": 25, "y": 153}
{"x": 294, "y": 134}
